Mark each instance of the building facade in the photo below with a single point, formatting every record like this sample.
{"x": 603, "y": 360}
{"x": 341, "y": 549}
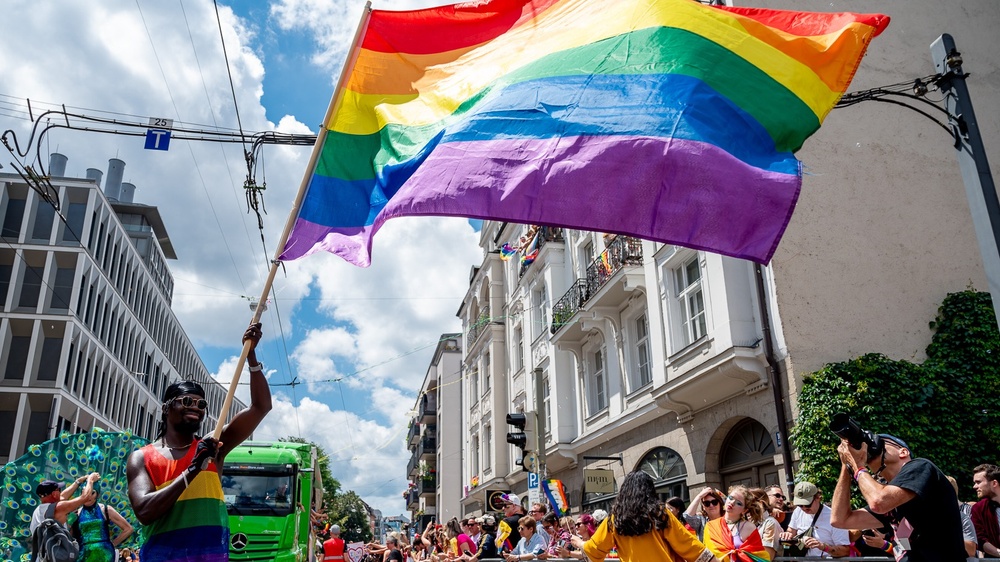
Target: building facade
{"x": 657, "y": 358}
{"x": 88, "y": 335}
{"x": 434, "y": 439}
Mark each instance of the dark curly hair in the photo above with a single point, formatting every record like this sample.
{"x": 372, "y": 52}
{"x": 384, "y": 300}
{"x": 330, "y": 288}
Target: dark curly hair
{"x": 638, "y": 510}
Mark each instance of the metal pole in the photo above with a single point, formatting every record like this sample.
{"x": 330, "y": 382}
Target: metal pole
{"x": 338, "y": 96}
{"x": 979, "y": 186}
{"x": 774, "y": 379}
{"x": 540, "y": 424}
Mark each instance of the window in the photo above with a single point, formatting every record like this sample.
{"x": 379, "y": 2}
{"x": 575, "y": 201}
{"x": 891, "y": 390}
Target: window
{"x": 518, "y": 348}
{"x": 5, "y": 273}
{"x": 12, "y": 218}
{"x": 587, "y": 255}
{"x": 475, "y": 455}
{"x": 643, "y": 374}
{"x": 597, "y": 394}
{"x": 487, "y": 447}
{"x": 63, "y": 289}
{"x": 31, "y": 287}
{"x": 17, "y": 361}
{"x": 540, "y": 298}
{"x": 74, "y": 222}
{"x": 547, "y": 404}
{"x": 48, "y": 364}
{"x": 691, "y": 301}
{"x": 42, "y": 230}
{"x": 473, "y": 385}
{"x": 486, "y": 372}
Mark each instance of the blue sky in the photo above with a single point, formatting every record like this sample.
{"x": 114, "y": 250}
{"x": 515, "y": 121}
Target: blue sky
{"x": 372, "y": 329}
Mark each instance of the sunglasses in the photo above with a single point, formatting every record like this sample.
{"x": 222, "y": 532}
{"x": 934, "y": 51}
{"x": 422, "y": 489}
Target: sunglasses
{"x": 735, "y": 501}
{"x": 580, "y": 523}
{"x": 710, "y": 502}
{"x": 777, "y": 495}
{"x": 187, "y": 402}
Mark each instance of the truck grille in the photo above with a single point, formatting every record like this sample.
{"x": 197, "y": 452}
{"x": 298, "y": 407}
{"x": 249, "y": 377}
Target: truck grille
{"x": 259, "y": 547}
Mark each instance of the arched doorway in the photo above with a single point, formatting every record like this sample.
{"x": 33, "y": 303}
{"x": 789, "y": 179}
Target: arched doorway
{"x": 747, "y": 456}
{"x": 668, "y": 471}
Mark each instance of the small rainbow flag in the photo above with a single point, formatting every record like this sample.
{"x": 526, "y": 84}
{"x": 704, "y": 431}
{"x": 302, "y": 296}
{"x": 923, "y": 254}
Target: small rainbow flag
{"x": 668, "y": 120}
{"x": 556, "y": 494}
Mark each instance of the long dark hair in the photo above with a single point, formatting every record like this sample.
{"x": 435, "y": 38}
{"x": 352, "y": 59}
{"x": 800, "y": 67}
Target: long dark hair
{"x": 638, "y": 510}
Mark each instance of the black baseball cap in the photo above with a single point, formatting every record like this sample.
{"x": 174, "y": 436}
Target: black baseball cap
{"x": 46, "y": 487}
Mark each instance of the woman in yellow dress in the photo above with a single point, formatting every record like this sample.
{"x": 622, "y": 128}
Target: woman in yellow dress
{"x": 643, "y": 529}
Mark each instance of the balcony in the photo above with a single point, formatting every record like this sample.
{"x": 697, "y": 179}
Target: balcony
{"x": 413, "y": 434}
{"x": 567, "y": 306}
{"x": 428, "y": 409}
{"x": 623, "y": 251}
{"x": 545, "y": 234}
{"x": 412, "y": 499}
{"x": 428, "y": 486}
{"x": 427, "y": 448}
{"x": 477, "y": 328}
{"x": 411, "y": 467}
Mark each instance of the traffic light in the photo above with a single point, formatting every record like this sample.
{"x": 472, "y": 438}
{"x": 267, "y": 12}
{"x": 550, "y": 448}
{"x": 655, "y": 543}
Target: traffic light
{"x": 521, "y": 434}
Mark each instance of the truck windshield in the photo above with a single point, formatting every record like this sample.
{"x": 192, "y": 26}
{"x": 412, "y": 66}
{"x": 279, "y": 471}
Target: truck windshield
{"x": 257, "y": 492}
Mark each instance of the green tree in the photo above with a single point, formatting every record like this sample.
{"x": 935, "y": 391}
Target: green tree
{"x": 944, "y": 409}
{"x": 331, "y": 486}
{"x": 351, "y": 513}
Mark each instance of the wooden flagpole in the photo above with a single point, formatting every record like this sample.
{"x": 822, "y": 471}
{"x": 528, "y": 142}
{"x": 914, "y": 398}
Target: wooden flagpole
{"x": 335, "y": 101}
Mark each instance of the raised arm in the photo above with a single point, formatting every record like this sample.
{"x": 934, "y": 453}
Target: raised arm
{"x": 64, "y": 508}
{"x": 244, "y": 423}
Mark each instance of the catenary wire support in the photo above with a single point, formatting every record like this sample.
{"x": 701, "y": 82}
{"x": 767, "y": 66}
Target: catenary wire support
{"x": 975, "y": 167}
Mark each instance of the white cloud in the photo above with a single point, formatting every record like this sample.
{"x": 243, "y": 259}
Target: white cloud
{"x": 374, "y": 327}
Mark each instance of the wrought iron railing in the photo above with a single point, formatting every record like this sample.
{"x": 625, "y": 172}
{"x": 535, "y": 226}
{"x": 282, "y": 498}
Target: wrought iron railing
{"x": 569, "y": 304}
{"x": 479, "y": 326}
{"x": 624, "y": 250}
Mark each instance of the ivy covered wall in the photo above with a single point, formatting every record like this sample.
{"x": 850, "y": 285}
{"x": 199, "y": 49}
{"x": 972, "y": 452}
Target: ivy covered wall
{"x": 947, "y": 408}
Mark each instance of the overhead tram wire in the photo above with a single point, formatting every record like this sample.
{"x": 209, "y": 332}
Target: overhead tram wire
{"x": 253, "y": 200}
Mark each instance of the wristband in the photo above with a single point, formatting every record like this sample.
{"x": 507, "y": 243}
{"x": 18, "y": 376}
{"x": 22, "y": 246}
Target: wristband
{"x": 887, "y": 547}
{"x": 258, "y": 368}
{"x": 859, "y": 471}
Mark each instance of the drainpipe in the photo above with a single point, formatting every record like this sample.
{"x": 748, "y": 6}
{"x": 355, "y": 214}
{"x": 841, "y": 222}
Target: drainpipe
{"x": 774, "y": 380}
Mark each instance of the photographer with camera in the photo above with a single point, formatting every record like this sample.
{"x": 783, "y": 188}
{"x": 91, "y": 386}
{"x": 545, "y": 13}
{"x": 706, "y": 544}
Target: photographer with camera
{"x": 909, "y": 493}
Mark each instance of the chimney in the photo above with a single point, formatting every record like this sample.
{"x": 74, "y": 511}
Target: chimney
{"x": 96, "y": 175}
{"x": 57, "y": 165}
{"x": 113, "y": 187}
{"x": 128, "y": 193}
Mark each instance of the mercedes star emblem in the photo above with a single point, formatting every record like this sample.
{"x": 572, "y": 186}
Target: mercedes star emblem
{"x": 239, "y": 541}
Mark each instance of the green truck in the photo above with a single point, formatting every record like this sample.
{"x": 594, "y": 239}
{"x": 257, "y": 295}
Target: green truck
{"x": 270, "y": 490}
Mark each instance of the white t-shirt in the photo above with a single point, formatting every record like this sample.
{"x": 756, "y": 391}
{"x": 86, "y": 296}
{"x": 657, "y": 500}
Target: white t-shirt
{"x": 824, "y": 531}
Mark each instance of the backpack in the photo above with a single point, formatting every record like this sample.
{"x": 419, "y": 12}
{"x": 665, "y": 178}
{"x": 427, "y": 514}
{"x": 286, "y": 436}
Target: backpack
{"x": 52, "y": 542}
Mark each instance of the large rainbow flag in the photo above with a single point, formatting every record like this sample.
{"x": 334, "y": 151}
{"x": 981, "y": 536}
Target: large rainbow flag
{"x": 668, "y": 120}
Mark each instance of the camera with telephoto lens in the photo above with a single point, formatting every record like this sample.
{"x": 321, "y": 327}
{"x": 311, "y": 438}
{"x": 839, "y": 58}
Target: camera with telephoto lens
{"x": 846, "y": 428}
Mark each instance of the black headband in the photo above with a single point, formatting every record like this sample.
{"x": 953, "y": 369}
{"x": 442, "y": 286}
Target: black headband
{"x": 181, "y": 388}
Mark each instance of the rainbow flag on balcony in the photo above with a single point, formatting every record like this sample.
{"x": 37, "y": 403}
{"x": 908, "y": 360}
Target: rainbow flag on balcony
{"x": 668, "y": 120}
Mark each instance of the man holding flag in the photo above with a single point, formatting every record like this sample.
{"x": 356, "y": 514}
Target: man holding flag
{"x": 173, "y": 483}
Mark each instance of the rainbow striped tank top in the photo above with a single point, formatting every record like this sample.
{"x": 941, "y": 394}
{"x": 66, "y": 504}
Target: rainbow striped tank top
{"x": 196, "y": 529}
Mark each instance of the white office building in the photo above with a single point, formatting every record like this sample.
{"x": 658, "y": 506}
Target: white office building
{"x": 87, "y": 335}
